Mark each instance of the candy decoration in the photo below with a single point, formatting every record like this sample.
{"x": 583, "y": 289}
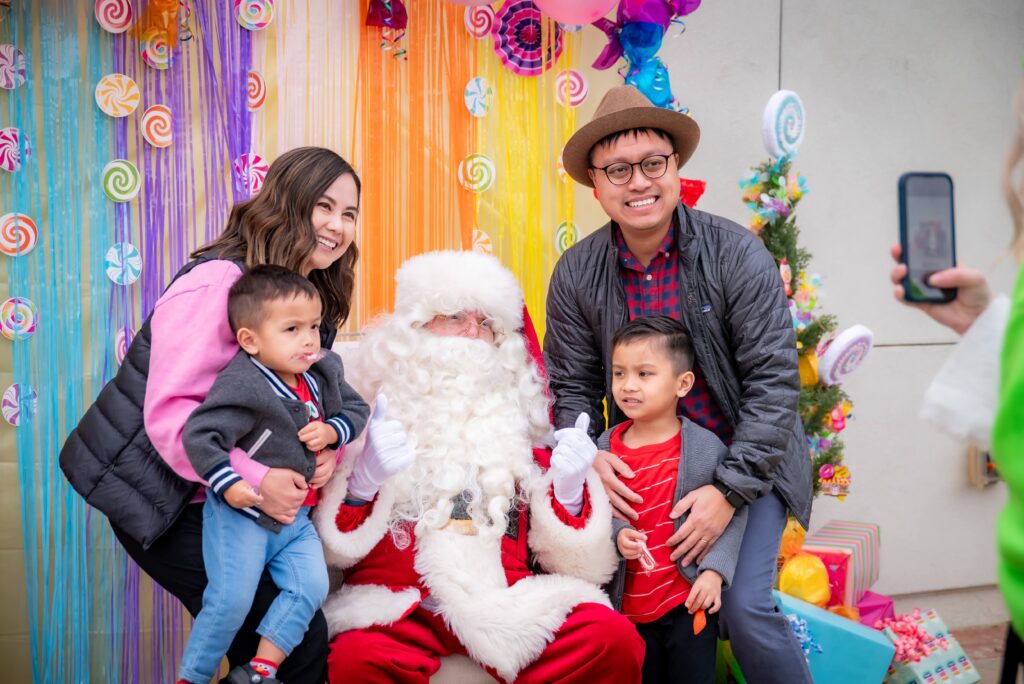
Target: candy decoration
{"x": 560, "y": 167}
{"x": 117, "y": 95}
{"x": 571, "y": 88}
{"x": 844, "y": 354}
{"x": 479, "y": 21}
{"x": 782, "y": 125}
{"x": 519, "y": 41}
{"x": 155, "y": 49}
{"x": 114, "y": 16}
{"x": 254, "y": 15}
{"x": 17, "y": 318}
{"x": 121, "y": 180}
{"x": 121, "y": 343}
{"x": 256, "y": 90}
{"x": 157, "y": 126}
{"x": 566, "y": 235}
{"x": 476, "y": 173}
{"x": 482, "y": 242}
{"x": 10, "y": 151}
{"x": 478, "y": 96}
{"x": 250, "y": 170}
{"x": 12, "y": 67}
{"x": 14, "y": 400}
{"x": 18, "y": 234}
{"x": 124, "y": 263}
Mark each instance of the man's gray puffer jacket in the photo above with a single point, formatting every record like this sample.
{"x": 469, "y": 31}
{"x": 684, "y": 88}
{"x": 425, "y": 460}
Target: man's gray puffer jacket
{"x": 736, "y": 311}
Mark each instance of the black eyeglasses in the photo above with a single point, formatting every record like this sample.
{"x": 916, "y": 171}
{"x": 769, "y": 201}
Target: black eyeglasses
{"x": 653, "y": 167}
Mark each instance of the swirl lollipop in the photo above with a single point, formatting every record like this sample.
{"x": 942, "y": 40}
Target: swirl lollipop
{"x": 121, "y": 181}
{"x": 15, "y": 399}
{"x": 479, "y": 21}
{"x": 256, "y": 90}
{"x": 124, "y": 263}
{"x": 12, "y": 67}
{"x": 250, "y": 170}
{"x": 18, "y": 234}
{"x": 254, "y": 15}
{"x": 478, "y": 96}
{"x": 157, "y": 126}
{"x": 114, "y": 16}
{"x": 571, "y": 88}
{"x": 476, "y": 173}
{"x": 155, "y": 48}
{"x": 482, "y": 242}
{"x": 17, "y": 318}
{"x": 117, "y": 95}
{"x": 10, "y": 150}
{"x": 560, "y": 168}
{"x": 844, "y": 354}
{"x": 782, "y": 125}
{"x": 566, "y": 236}
{"x": 122, "y": 341}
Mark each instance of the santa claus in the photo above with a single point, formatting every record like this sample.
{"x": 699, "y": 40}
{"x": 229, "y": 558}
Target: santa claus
{"x": 451, "y": 537}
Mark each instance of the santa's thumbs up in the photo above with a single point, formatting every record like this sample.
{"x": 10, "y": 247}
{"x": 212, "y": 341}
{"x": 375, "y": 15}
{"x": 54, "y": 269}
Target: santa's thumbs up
{"x": 571, "y": 458}
{"x": 385, "y": 453}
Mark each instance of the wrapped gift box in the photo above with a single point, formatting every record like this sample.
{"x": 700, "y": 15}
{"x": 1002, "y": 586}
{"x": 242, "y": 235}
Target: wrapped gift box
{"x": 874, "y": 607}
{"x": 839, "y": 651}
{"x": 862, "y": 542}
{"x": 838, "y": 562}
{"x": 948, "y": 665}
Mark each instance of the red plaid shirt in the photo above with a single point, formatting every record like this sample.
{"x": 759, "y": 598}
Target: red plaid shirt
{"x": 656, "y": 291}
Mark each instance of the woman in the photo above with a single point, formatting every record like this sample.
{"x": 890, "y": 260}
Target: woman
{"x": 126, "y": 456}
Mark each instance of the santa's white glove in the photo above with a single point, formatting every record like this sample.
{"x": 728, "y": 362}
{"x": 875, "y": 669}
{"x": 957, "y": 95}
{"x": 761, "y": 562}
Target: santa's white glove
{"x": 571, "y": 459}
{"x": 385, "y": 453}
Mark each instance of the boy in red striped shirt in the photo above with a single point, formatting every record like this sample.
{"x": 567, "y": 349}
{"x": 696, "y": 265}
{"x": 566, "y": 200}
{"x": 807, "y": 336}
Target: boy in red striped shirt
{"x": 674, "y": 608}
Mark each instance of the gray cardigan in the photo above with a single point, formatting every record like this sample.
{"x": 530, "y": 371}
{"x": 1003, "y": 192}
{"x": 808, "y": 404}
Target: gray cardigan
{"x": 701, "y": 452}
{"x": 251, "y": 408}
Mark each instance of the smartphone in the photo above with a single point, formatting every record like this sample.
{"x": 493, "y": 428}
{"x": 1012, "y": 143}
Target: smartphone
{"x": 927, "y": 234}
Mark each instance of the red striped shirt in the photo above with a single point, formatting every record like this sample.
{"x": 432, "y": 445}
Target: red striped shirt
{"x": 649, "y": 596}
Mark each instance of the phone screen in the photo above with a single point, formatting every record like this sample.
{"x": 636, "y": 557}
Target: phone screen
{"x": 928, "y": 233}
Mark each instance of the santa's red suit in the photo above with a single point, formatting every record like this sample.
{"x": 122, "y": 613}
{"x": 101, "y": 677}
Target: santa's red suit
{"x": 526, "y": 604}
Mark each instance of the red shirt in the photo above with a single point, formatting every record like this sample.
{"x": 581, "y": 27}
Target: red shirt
{"x": 315, "y": 414}
{"x": 647, "y": 597}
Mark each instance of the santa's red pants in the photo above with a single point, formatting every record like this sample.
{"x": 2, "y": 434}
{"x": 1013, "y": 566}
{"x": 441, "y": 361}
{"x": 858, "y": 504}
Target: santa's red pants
{"x": 594, "y": 644}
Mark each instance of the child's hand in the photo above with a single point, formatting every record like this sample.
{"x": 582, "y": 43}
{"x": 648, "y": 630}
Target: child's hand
{"x": 241, "y": 495}
{"x": 326, "y": 463}
{"x": 629, "y": 542}
{"x": 318, "y": 436}
{"x": 706, "y": 593}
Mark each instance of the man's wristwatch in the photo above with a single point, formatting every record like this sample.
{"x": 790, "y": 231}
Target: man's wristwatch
{"x": 734, "y": 499}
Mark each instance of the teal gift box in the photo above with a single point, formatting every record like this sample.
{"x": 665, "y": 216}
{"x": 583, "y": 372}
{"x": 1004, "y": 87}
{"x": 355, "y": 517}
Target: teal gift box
{"x": 838, "y": 650}
{"x": 948, "y": 665}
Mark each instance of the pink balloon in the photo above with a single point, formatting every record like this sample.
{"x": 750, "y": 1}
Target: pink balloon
{"x": 575, "y": 11}
{"x": 471, "y": 3}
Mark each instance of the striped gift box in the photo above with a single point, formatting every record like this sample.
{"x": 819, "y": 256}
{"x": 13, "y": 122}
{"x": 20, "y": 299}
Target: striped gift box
{"x": 861, "y": 541}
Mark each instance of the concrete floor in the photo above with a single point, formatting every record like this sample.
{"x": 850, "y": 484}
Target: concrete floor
{"x": 984, "y": 646}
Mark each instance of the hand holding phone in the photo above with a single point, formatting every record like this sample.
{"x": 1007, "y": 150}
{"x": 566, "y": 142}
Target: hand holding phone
{"x": 973, "y": 294}
{"x": 927, "y": 235}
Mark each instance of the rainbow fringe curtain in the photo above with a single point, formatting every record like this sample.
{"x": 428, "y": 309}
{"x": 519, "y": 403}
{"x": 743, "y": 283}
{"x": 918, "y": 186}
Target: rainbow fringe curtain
{"x": 402, "y": 122}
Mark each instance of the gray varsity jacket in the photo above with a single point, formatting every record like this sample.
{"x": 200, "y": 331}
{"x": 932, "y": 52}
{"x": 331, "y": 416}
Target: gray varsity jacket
{"x": 701, "y": 453}
{"x": 251, "y": 408}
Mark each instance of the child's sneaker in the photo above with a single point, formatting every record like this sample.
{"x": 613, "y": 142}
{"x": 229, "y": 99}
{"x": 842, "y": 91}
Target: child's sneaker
{"x": 244, "y": 674}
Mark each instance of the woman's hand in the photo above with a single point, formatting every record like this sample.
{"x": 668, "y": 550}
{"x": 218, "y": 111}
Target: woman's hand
{"x": 283, "y": 492}
{"x": 610, "y": 467}
{"x": 973, "y": 294}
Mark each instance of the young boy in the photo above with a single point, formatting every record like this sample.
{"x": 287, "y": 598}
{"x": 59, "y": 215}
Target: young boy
{"x": 673, "y": 607}
{"x": 282, "y": 404}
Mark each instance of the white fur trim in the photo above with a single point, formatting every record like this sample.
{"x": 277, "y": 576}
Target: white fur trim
{"x": 588, "y": 552}
{"x": 356, "y": 606}
{"x": 447, "y": 282}
{"x": 345, "y": 549}
{"x": 503, "y": 627}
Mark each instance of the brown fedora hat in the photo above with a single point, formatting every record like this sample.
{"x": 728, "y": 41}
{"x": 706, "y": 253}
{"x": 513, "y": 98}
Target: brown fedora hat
{"x": 621, "y": 109}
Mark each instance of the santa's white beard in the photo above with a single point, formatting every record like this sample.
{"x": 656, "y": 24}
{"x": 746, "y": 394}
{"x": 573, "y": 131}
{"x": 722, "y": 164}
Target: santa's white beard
{"x": 463, "y": 405}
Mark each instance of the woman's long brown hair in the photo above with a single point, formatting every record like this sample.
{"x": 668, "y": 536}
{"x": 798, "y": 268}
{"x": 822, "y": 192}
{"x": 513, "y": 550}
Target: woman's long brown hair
{"x": 275, "y": 226}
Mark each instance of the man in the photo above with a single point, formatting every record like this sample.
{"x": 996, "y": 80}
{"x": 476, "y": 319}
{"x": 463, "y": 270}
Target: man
{"x": 444, "y": 511}
{"x": 658, "y": 257}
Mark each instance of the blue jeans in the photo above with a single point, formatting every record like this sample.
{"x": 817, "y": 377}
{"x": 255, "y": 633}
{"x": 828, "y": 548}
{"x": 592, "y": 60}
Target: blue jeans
{"x": 760, "y": 635}
{"x": 235, "y": 551}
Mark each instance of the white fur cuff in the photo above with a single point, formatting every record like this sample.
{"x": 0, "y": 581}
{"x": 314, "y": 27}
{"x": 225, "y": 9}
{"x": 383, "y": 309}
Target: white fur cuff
{"x": 345, "y": 549}
{"x": 356, "y": 606}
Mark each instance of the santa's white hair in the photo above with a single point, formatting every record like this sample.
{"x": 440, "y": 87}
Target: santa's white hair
{"x": 473, "y": 410}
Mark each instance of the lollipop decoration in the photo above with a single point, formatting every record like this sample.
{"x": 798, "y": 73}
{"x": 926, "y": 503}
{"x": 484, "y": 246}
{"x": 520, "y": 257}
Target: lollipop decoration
{"x": 479, "y": 21}
{"x": 254, "y": 15}
{"x": 256, "y": 91}
{"x": 566, "y": 235}
{"x": 10, "y": 149}
{"x": 157, "y": 126}
{"x": 122, "y": 341}
{"x": 571, "y": 88}
{"x": 123, "y": 263}
{"x": 250, "y": 171}
{"x": 844, "y": 354}
{"x": 519, "y": 39}
{"x": 482, "y": 242}
{"x": 782, "y": 124}
{"x": 121, "y": 180}
{"x": 12, "y": 67}
{"x": 114, "y": 16}
{"x": 476, "y": 173}
{"x": 156, "y": 49}
{"x": 17, "y": 318}
{"x": 17, "y": 401}
{"x": 478, "y": 96}
{"x": 18, "y": 234}
{"x": 117, "y": 95}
